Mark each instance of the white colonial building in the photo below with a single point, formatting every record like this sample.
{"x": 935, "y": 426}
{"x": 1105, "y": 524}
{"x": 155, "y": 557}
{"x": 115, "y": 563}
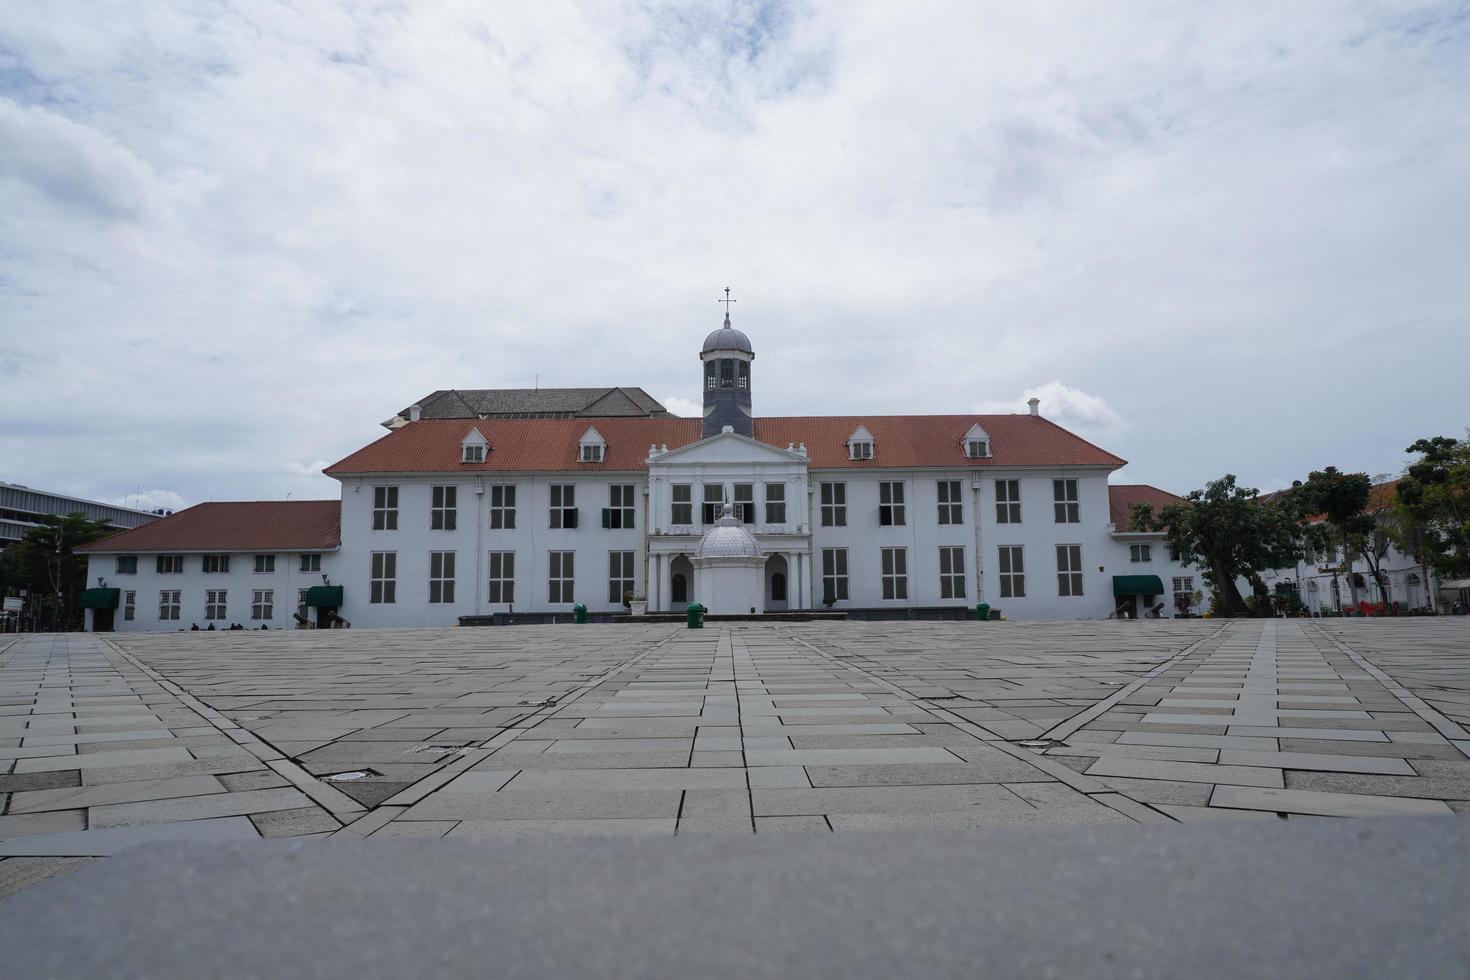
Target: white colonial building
{"x": 525, "y": 504}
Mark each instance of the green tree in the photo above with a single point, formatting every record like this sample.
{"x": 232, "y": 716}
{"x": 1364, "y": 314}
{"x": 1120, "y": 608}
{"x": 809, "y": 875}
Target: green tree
{"x": 1341, "y": 499}
{"x": 1433, "y": 506}
{"x": 45, "y": 565}
{"x": 1231, "y": 533}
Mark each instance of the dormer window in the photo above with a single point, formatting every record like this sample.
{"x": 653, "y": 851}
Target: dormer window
{"x": 860, "y": 444}
{"x": 592, "y": 448}
{"x": 977, "y": 443}
{"x": 473, "y": 446}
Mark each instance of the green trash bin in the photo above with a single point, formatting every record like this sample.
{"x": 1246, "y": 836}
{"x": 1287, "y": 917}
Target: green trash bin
{"x": 579, "y": 613}
{"x": 982, "y": 611}
{"x": 696, "y": 613}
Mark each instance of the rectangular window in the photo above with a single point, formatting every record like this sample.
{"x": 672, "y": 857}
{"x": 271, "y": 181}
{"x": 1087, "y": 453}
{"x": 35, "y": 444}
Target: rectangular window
{"x": 443, "y": 508}
{"x": 301, "y": 602}
{"x": 1173, "y": 553}
{"x": 130, "y": 606}
{"x": 1012, "y": 568}
{"x": 127, "y": 564}
{"x": 977, "y": 449}
{"x": 1184, "y": 584}
{"x": 834, "y": 505}
{"x": 591, "y": 453}
{"x": 216, "y": 564}
{"x": 472, "y": 453}
{"x": 170, "y": 565}
{"x": 951, "y": 505}
{"x": 1064, "y": 497}
{"x": 895, "y": 573}
{"x": 385, "y": 508}
{"x": 503, "y": 576}
{"x": 619, "y": 512}
{"x": 1139, "y": 553}
{"x": 503, "y": 507}
{"x": 563, "y": 505}
{"x": 263, "y": 604}
{"x": 1007, "y": 501}
{"x": 441, "y": 576}
{"x": 713, "y": 503}
{"x": 383, "y": 587}
{"x": 1069, "y": 570}
{"x": 311, "y": 563}
{"x": 681, "y": 511}
{"x": 951, "y": 573}
{"x": 745, "y": 503}
{"x": 265, "y": 564}
{"x": 619, "y": 575}
{"x": 561, "y": 575}
{"x": 890, "y": 503}
{"x": 168, "y": 604}
{"x": 860, "y": 450}
{"x": 834, "y": 574}
{"x": 214, "y": 604}
{"x": 775, "y": 503}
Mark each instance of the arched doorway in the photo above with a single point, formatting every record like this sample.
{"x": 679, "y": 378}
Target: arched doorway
{"x": 681, "y": 583}
{"x": 1413, "y": 593}
{"x": 778, "y": 583}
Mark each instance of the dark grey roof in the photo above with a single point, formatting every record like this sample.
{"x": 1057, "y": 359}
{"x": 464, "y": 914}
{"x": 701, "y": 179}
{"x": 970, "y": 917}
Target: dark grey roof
{"x": 539, "y": 403}
{"x": 727, "y": 338}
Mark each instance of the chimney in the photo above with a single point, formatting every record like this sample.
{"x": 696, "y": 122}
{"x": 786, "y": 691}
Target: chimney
{"x": 1035, "y": 404}
{"x": 414, "y": 410}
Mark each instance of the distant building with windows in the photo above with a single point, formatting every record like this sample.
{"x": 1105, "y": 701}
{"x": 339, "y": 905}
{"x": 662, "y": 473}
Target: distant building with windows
{"x": 495, "y": 503}
{"x": 23, "y": 508}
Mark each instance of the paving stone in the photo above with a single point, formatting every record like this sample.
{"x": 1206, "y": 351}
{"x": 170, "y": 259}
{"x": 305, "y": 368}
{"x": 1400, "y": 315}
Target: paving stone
{"x": 22, "y": 872}
{"x": 782, "y": 825}
{"x": 1317, "y": 761}
{"x": 26, "y": 782}
{"x": 1323, "y": 804}
{"x": 80, "y": 797}
{"x": 625, "y": 779}
{"x": 1160, "y": 791}
{"x": 579, "y": 828}
{"x": 262, "y": 779}
{"x": 879, "y": 799}
{"x": 198, "y": 807}
{"x": 100, "y": 843}
{"x": 27, "y": 824}
{"x": 1188, "y": 772}
{"x": 415, "y": 828}
{"x": 105, "y": 760}
{"x": 294, "y": 823}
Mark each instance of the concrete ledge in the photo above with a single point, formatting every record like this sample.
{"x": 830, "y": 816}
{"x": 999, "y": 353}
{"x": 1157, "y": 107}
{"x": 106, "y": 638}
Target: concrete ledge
{"x": 1338, "y": 899}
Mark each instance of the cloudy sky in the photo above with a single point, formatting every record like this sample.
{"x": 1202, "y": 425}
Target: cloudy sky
{"x": 236, "y": 236}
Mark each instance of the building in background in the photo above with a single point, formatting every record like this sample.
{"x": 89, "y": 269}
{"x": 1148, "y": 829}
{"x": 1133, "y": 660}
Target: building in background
{"x": 521, "y": 503}
{"x": 22, "y": 508}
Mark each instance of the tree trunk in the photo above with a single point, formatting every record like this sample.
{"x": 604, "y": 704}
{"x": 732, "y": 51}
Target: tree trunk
{"x": 1347, "y": 560}
{"x": 1229, "y": 593}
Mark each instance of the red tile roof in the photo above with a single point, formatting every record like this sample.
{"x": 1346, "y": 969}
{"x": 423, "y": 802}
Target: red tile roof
{"x": 236, "y": 525}
{"x": 1122, "y": 497}
{"x": 521, "y": 445}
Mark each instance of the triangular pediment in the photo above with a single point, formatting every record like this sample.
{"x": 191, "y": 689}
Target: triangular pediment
{"x": 729, "y": 447}
{"x": 977, "y": 433}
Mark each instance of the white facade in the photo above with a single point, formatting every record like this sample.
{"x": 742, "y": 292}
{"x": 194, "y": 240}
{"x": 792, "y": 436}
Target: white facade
{"x": 1323, "y": 585}
{"x": 146, "y": 602}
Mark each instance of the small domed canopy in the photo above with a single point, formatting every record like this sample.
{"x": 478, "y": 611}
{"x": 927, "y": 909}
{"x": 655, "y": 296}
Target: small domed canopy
{"x": 727, "y": 338}
{"x": 728, "y": 539}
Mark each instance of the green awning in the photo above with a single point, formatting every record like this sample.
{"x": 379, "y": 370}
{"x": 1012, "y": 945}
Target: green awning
{"x": 329, "y": 596}
{"x": 101, "y": 598}
{"x": 1137, "y": 585}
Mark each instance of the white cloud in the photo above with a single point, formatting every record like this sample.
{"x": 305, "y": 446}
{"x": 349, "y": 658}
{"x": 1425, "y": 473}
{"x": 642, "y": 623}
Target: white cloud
{"x": 685, "y": 407}
{"x": 1086, "y": 414}
{"x": 295, "y": 219}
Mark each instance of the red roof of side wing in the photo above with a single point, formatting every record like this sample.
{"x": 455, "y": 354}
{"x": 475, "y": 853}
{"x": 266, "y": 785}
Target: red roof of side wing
{"x": 1122, "y": 497}
{"x": 236, "y": 525}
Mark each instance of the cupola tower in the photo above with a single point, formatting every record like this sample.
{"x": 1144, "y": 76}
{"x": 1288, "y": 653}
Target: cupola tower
{"x": 727, "y": 356}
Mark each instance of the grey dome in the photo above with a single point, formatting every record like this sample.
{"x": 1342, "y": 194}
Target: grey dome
{"x": 728, "y": 539}
{"x": 727, "y": 338}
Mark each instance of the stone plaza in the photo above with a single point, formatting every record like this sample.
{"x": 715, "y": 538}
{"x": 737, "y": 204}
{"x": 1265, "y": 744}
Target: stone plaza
{"x": 615, "y": 730}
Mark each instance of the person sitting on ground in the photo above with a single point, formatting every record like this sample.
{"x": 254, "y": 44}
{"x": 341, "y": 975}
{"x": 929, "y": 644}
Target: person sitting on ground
{"x": 194, "y": 628}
